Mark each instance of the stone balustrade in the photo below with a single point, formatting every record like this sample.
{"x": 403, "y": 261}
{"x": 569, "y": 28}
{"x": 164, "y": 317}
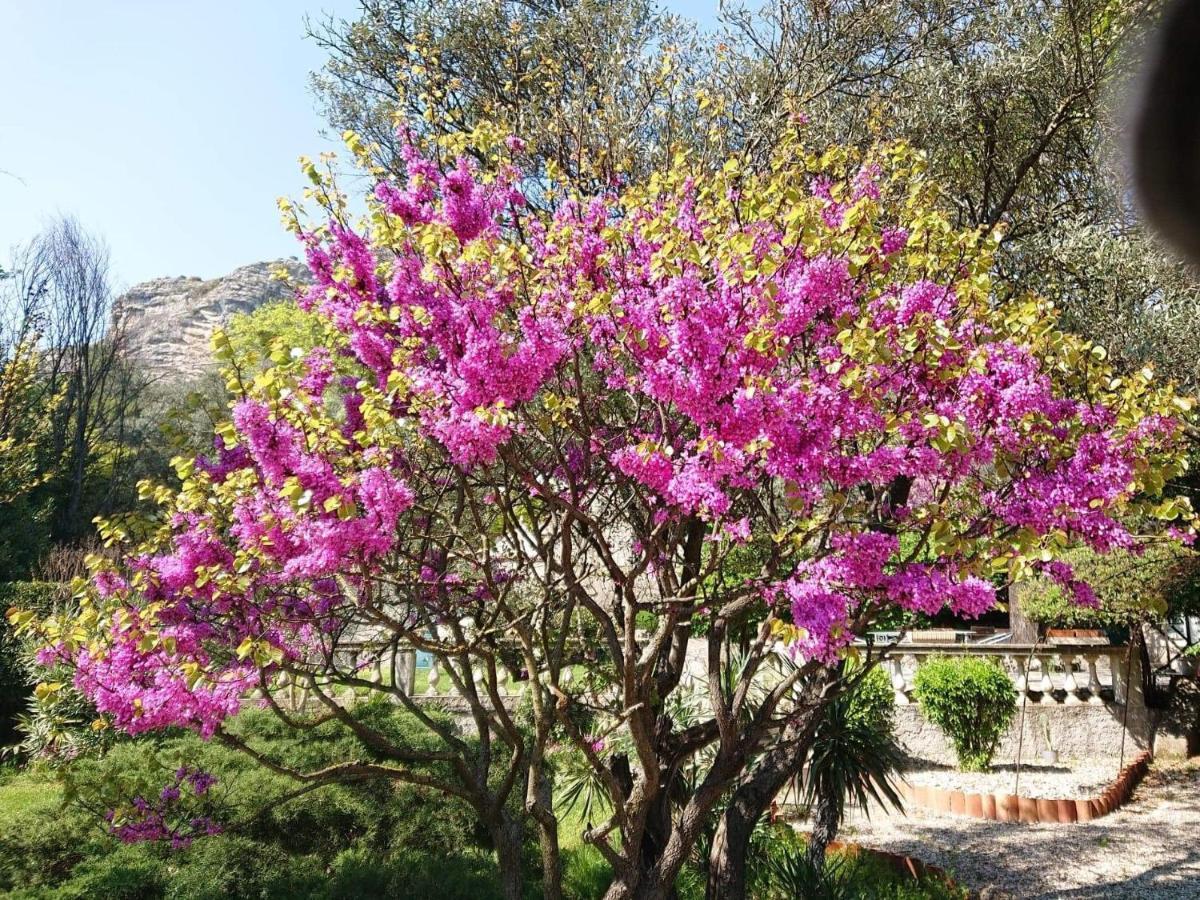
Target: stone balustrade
{"x": 1047, "y": 673}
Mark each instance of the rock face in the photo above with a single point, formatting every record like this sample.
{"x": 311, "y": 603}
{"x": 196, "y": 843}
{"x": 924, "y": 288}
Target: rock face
{"x": 168, "y": 321}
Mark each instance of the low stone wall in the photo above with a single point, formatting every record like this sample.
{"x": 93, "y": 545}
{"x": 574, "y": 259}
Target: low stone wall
{"x": 1077, "y": 731}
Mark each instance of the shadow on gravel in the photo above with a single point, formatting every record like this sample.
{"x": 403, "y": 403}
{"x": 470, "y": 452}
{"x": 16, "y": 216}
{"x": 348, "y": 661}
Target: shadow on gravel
{"x": 1149, "y": 850}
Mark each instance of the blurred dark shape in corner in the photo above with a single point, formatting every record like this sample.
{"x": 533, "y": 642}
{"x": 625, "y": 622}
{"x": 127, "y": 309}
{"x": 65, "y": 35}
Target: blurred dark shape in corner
{"x": 1166, "y": 130}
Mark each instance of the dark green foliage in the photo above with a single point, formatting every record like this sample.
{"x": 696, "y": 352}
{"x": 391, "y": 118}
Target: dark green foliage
{"x": 358, "y": 876}
{"x": 235, "y": 867}
{"x": 345, "y": 842}
{"x": 783, "y": 870}
{"x": 123, "y": 873}
{"x": 59, "y": 729}
{"x": 15, "y": 681}
{"x": 854, "y": 756}
{"x": 364, "y": 839}
{"x": 797, "y": 875}
{"x": 24, "y": 535}
{"x": 972, "y": 700}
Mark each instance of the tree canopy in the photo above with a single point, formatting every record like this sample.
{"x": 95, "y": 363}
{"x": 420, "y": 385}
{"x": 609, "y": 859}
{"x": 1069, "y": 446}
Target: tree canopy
{"x": 541, "y": 437}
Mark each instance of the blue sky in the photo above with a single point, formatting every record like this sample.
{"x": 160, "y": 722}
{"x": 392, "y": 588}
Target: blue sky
{"x": 169, "y": 127}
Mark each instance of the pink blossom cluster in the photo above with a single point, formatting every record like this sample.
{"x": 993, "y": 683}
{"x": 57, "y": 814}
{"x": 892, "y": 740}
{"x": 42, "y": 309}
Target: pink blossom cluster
{"x": 825, "y": 594}
{"x": 710, "y": 366}
{"x": 170, "y": 817}
{"x": 178, "y": 665}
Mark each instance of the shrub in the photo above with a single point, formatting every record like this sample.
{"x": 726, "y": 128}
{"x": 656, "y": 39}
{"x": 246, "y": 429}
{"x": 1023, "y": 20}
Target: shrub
{"x": 855, "y": 757}
{"x": 405, "y": 873}
{"x": 972, "y": 701}
{"x": 785, "y": 870}
{"x": 57, "y": 726}
{"x": 124, "y": 873}
{"x": 873, "y": 702}
{"x": 15, "y": 681}
{"x": 356, "y": 840}
{"x": 229, "y": 866}
{"x": 40, "y": 843}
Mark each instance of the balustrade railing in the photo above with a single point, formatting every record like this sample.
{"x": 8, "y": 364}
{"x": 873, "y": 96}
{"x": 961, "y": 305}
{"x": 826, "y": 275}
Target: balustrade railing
{"x": 1047, "y": 673}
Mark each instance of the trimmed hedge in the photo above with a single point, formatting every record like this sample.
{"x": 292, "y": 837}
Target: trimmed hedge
{"x": 972, "y": 700}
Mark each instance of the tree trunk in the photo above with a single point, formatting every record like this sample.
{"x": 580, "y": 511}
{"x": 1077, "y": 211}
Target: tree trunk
{"x": 645, "y": 883}
{"x": 547, "y": 837}
{"x": 551, "y": 863}
{"x": 506, "y": 835}
{"x": 731, "y": 847}
{"x": 727, "y": 860}
{"x": 728, "y": 857}
{"x": 1024, "y": 629}
{"x": 826, "y": 822}
{"x": 643, "y": 889}
{"x": 654, "y": 840}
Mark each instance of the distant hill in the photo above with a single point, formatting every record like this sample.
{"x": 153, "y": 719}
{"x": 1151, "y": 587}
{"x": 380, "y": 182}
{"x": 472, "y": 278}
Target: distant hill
{"x": 169, "y": 321}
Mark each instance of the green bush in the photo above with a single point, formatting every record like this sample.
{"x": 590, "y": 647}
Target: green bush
{"x": 125, "y": 873}
{"x": 15, "y": 681}
{"x": 783, "y": 870}
{"x": 237, "y": 868}
{"x": 357, "y": 840}
{"x": 972, "y": 701}
{"x": 873, "y": 702}
{"x": 405, "y": 873}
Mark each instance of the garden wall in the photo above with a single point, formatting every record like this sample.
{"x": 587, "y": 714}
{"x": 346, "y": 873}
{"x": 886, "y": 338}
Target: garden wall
{"x": 1077, "y": 731}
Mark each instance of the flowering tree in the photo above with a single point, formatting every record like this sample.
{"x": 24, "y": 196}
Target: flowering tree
{"x": 747, "y": 413}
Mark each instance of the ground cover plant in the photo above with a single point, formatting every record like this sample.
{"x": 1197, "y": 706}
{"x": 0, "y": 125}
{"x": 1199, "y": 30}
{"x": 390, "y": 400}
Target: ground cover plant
{"x": 366, "y": 842}
{"x": 68, "y": 836}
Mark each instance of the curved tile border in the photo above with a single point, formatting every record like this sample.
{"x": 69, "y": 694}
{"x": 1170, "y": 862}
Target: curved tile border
{"x": 1012, "y": 808}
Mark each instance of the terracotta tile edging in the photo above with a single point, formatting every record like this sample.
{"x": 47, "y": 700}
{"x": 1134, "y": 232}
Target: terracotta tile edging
{"x": 1002, "y": 807}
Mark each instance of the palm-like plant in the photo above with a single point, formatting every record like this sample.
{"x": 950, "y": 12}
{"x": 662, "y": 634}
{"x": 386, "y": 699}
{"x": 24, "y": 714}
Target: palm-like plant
{"x": 794, "y": 874}
{"x": 855, "y": 757}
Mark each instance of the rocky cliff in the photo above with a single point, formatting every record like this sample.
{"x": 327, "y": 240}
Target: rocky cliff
{"x": 168, "y": 321}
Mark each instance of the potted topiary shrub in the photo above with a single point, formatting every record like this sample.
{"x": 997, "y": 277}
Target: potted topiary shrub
{"x": 972, "y": 701}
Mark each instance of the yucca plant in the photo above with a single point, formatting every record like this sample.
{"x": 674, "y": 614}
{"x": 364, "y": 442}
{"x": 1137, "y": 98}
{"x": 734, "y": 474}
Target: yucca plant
{"x": 580, "y": 788}
{"x": 792, "y": 872}
{"x": 855, "y": 757}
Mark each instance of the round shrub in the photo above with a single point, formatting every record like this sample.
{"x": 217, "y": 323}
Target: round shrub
{"x": 972, "y": 701}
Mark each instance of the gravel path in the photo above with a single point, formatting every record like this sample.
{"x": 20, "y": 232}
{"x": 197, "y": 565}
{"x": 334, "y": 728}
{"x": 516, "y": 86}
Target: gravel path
{"x": 1149, "y": 849}
{"x": 1062, "y": 779}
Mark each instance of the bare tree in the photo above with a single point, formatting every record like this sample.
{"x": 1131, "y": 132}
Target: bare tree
{"x": 62, "y": 292}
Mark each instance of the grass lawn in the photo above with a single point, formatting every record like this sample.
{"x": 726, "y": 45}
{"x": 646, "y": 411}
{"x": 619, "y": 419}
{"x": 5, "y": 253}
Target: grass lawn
{"x": 22, "y": 793}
